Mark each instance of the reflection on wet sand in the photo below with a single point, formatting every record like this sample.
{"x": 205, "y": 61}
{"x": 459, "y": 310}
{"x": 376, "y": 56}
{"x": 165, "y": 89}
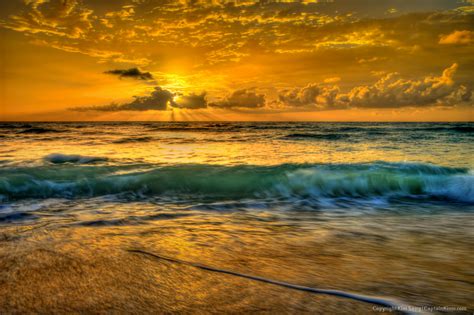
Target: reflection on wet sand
{"x": 58, "y": 268}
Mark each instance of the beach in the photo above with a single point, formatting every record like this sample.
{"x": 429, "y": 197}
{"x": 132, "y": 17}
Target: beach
{"x": 379, "y": 209}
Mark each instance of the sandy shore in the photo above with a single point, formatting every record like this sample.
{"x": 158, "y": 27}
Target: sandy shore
{"x": 88, "y": 270}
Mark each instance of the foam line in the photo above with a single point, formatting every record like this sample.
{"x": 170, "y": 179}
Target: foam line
{"x": 396, "y": 305}
{"x": 73, "y": 176}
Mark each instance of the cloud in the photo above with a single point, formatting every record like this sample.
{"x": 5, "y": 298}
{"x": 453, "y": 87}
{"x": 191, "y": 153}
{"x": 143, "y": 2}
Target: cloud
{"x": 157, "y": 100}
{"x": 211, "y": 33}
{"x": 101, "y": 54}
{"x": 332, "y": 80}
{"x": 245, "y": 98}
{"x": 64, "y": 18}
{"x": 192, "y": 101}
{"x": 457, "y": 38}
{"x": 390, "y": 91}
{"x": 320, "y": 96}
{"x": 394, "y": 91}
{"x": 133, "y": 73}
{"x": 369, "y": 60}
{"x": 126, "y": 13}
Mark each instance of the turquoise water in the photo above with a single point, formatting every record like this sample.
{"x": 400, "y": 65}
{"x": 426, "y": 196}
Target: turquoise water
{"x": 320, "y": 163}
{"x": 390, "y": 182}
{"x": 377, "y": 208}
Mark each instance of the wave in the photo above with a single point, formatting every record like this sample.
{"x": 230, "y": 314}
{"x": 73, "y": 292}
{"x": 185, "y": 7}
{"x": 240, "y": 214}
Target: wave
{"x": 459, "y": 129}
{"x": 133, "y": 139}
{"x": 19, "y": 216}
{"x": 317, "y": 136}
{"x": 191, "y": 128}
{"x": 359, "y": 129}
{"x": 15, "y": 126}
{"x": 133, "y": 220}
{"x": 314, "y": 182}
{"x": 58, "y": 158}
{"x": 39, "y": 130}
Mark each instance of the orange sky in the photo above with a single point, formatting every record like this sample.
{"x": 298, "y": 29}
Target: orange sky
{"x": 340, "y": 60}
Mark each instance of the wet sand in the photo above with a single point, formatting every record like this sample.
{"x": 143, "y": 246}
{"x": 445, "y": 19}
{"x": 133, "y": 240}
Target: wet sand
{"x": 59, "y": 269}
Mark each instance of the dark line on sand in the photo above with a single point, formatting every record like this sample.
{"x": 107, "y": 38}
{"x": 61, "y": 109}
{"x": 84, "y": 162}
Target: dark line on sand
{"x": 395, "y": 305}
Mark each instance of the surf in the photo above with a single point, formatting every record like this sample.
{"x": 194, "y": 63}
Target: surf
{"x": 71, "y": 176}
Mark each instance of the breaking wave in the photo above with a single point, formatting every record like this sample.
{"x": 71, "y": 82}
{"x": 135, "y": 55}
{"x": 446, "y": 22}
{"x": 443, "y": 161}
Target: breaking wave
{"x": 314, "y": 182}
{"x": 58, "y": 158}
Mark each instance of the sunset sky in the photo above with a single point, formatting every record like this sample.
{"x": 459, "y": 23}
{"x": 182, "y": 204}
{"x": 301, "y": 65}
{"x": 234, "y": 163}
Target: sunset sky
{"x": 237, "y": 60}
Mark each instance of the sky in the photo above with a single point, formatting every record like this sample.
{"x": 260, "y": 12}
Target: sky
{"x": 326, "y": 60}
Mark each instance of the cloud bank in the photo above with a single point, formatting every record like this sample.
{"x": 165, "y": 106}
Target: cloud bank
{"x": 192, "y": 101}
{"x": 245, "y": 98}
{"x": 63, "y": 18}
{"x": 157, "y": 100}
{"x": 390, "y": 91}
{"x": 227, "y": 31}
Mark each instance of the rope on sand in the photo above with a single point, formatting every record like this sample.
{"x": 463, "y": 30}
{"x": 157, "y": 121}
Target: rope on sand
{"x": 394, "y": 305}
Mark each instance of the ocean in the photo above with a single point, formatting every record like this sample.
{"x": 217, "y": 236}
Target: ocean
{"x": 381, "y": 209}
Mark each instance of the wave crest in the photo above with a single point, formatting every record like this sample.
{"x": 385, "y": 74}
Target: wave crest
{"x": 58, "y": 158}
{"x": 311, "y": 182}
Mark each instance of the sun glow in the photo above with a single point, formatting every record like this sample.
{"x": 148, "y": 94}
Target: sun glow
{"x": 277, "y": 60}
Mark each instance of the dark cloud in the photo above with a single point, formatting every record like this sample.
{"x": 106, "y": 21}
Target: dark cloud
{"x": 245, "y": 98}
{"x": 133, "y": 73}
{"x": 157, "y": 100}
{"x": 192, "y": 101}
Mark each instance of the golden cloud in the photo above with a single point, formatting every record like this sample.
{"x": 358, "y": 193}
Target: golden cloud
{"x": 245, "y": 98}
{"x": 391, "y": 91}
{"x": 457, "y": 38}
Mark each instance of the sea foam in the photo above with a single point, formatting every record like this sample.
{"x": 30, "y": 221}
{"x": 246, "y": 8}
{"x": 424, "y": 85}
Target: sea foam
{"x": 67, "y": 177}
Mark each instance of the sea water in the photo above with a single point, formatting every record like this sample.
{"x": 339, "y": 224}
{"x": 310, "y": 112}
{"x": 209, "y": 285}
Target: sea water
{"x": 374, "y": 208}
